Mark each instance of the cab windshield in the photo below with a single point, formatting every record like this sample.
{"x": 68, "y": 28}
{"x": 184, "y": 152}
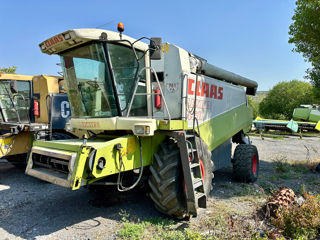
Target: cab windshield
{"x": 90, "y": 80}
{"x": 15, "y": 100}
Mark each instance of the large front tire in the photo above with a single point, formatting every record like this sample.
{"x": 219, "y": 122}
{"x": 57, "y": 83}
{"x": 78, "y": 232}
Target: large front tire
{"x": 246, "y": 163}
{"x": 166, "y": 180}
{"x": 206, "y": 165}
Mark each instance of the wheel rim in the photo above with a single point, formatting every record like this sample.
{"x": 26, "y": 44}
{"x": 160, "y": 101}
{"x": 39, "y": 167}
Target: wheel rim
{"x": 203, "y": 172}
{"x": 254, "y": 165}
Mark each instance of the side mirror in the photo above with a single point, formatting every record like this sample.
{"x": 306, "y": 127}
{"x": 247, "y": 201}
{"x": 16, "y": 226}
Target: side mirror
{"x": 155, "y": 48}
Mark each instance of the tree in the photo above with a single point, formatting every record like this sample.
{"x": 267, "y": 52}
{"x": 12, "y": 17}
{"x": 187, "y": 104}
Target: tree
{"x": 284, "y": 97}
{"x": 254, "y": 105}
{"x": 8, "y": 70}
{"x": 304, "y": 32}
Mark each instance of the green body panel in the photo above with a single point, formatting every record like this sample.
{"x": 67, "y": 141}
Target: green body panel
{"x": 301, "y": 114}
{"x": 172, "y": 125}
{"x": 306, "y": 114}
{"x": 105, "y": 148}
{"x": 221, "y": 128}
{"x": 314, "y": 116}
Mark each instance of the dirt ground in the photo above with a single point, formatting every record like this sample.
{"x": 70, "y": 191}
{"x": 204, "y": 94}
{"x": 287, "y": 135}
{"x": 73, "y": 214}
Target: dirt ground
{"x": 32, "y": 209}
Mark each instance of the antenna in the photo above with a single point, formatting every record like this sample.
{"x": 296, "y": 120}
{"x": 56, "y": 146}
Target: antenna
{"x": 107, "y": 23}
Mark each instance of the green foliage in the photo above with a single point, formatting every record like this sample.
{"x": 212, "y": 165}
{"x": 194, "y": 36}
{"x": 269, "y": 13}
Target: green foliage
{"x": 133, "y": 231}
{"x": 300, "y": 222}
{"x": 304, "y": 34}
{"x": 284, "y": 97}
{"x": 9, "y": 70}
{"x": 304, "y": 31}
{"x": 255, "y": 107}
{"x": 314, "y": 77}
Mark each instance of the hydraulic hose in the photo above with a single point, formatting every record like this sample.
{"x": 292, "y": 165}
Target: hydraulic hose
{"x": 120, "y": 187}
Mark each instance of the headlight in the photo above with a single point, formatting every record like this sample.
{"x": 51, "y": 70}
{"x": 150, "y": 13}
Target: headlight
{"x": 139, "y": 130}
{"x": 142, "y": 130}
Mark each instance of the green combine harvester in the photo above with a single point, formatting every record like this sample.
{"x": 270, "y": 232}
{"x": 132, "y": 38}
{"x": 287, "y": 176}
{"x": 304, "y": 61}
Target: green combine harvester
{"x": 151, "y": 112}
{"x": 305, "y": 118}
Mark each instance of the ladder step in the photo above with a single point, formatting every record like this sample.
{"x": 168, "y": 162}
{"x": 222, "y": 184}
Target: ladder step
{"x": 191, "y": 150}
{"x": 199, "y": 195}
{"x": 201, "y": 199}
{"x": 197, "y": 183}
{"x": 190, "y": 136}
{"x": 193, "y": 165}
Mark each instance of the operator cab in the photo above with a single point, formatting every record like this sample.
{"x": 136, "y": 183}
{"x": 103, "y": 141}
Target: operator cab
{"x": 15, "y": 98}
{"x": 102, "y": 69}
{"x": 101, "y": 77}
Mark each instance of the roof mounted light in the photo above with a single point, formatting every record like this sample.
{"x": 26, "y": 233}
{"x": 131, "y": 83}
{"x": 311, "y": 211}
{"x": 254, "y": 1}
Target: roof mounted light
{"x": 66, "y": 36}
{"x": 120, "y": 29}
{"x": 43, "y": 46}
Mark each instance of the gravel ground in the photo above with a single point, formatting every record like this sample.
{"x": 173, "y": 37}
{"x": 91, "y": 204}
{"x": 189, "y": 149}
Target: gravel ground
{"x": 32, "y": 209}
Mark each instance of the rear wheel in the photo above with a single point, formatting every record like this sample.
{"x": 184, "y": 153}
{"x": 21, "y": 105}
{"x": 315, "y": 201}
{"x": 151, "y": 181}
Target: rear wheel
{"x": 246, "y": 163}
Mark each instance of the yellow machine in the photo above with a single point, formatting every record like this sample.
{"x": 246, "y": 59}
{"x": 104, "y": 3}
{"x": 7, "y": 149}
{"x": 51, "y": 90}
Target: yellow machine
{"x": 30, "y": 106}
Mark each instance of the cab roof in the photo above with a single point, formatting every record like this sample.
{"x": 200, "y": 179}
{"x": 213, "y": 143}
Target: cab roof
{"x": 76, "y": 37}
{"x": 5, "y": 76}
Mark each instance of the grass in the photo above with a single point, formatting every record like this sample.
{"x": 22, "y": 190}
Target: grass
{"x": 156, "y": 229}
{"x": 285, "y": 169}
{"x": 221, "y": 223}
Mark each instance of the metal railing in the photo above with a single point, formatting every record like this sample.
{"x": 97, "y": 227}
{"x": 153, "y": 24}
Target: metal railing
{"x": 146, "y": 94}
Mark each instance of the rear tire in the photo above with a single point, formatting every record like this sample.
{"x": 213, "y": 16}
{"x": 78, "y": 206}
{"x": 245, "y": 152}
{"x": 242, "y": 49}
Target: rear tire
{"x": 246, "y": 163}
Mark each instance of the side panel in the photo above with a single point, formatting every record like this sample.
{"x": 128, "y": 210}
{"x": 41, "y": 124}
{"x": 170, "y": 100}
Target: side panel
{"x": 301, "y": 114}
{"x": 214, "y": 98}
{"x": 221, "y": 109}
{"x": 42, "y": 86}
{"x": 221, "y": 155}
{"x": 60, "y": 111}
{"x": 15, "y": 144}
{"x": 174, "y": 62}
{"x": 219, "y": 129}
{"x": 314, "y": 116}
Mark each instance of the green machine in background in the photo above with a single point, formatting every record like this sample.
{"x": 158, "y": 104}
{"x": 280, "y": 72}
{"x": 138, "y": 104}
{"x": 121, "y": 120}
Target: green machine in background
{"x": 305, "y": 117}
{"x": 309, "y": 113}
